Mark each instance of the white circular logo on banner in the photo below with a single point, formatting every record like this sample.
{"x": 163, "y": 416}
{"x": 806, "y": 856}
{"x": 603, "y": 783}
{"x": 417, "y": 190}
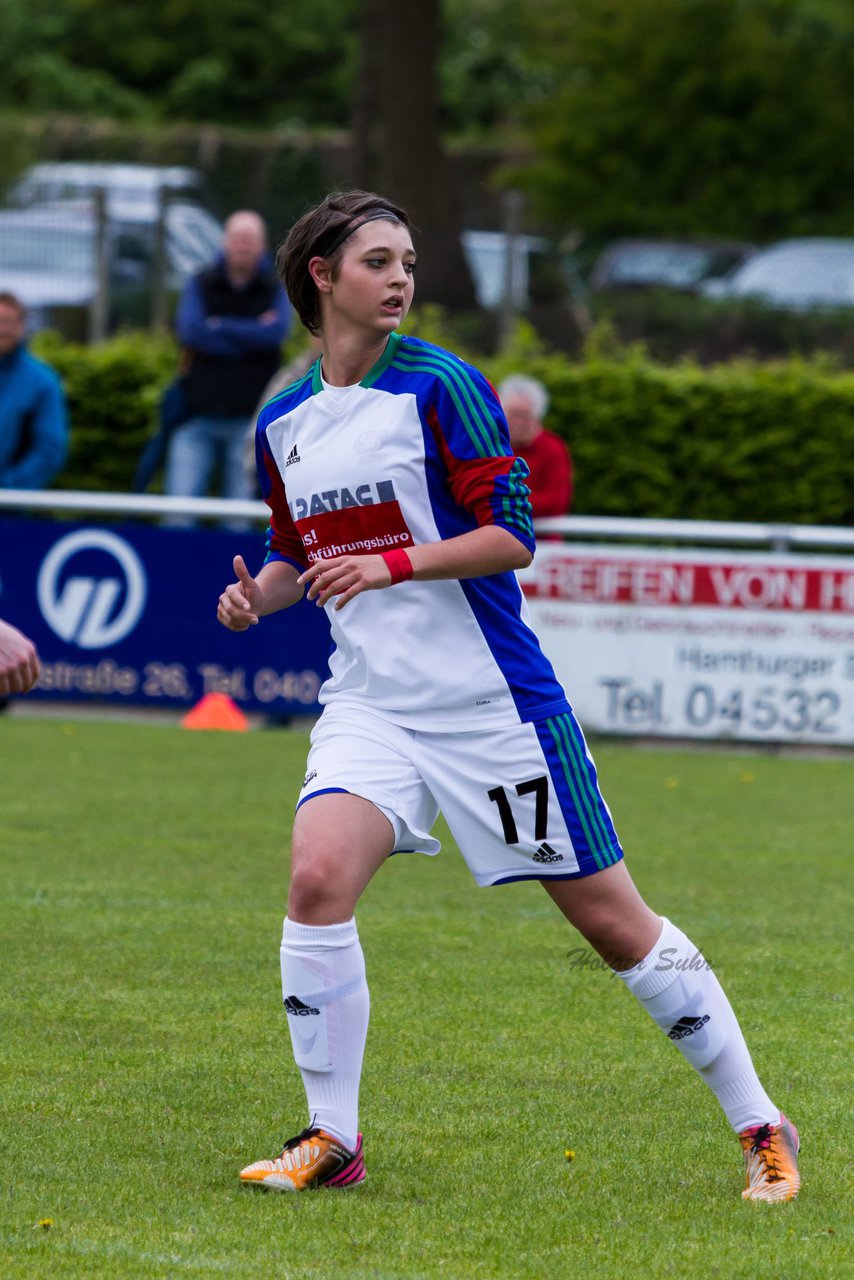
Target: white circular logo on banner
{"x": 81, "y": 614}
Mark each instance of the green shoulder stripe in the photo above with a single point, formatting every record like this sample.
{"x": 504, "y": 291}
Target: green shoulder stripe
{"x": 469, "y": 403}
{"x": 292, "y": 388}
{"x": 394, "y": 341}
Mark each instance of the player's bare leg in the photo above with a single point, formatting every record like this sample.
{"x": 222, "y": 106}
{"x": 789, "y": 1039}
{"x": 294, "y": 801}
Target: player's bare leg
{"x": 339, "y": 842}
{"x": 677, "y": 987}
{"x": 609, "y": 913}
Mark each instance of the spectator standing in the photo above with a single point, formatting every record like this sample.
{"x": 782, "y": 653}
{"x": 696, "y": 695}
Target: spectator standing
{"x": 232, "y": 320}
{"x": 525, "y": 402}
{"x": 33, "y": 411}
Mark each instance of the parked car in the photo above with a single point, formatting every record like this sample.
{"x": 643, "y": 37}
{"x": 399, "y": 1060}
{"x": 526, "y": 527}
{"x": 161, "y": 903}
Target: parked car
{"x": 193, "y": 234}
{"x": 683, "y": 265}
{"x": 48, "y": 258}
{"x": 800, "y": 274}
{"x": 124, "y": 184}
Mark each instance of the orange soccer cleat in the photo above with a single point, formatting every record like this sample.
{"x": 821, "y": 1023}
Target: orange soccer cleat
{"x": 771, "y": 1161}
{"x": 312, "y": 1159}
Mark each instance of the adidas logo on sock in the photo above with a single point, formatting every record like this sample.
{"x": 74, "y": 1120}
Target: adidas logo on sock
{"x": 292, "y": 457}
{"x": 686, "y": 1027}
{"x": 546, "y": 853}
{"x": 295, "y": 1006}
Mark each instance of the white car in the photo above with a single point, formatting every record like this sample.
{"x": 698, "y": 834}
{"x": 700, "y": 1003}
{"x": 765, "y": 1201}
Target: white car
{"x": 125, "y": 184}
{"x": 134, "y": 199}
{"x": 800, "y": 274}
{"x": 48, "y": 258}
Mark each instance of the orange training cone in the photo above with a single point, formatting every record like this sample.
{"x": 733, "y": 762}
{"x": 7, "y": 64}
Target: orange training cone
{"x": 216, "y": 711}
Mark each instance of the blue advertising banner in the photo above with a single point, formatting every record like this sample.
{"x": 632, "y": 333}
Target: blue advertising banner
{"x": 127, "y": 613}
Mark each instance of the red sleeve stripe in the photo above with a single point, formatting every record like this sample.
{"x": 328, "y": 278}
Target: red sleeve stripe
{"x": 492, "y": 488}
{"x": 282, "y": 536}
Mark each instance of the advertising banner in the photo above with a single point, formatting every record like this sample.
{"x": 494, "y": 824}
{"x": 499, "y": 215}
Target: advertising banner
{"x": 659, "y": 643}
{"x": 127, "y": 614}
{"x": 699, "y": 644}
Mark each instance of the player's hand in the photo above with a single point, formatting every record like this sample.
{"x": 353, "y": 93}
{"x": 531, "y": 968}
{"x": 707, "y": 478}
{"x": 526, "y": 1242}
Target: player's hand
{"x": 345, "y": 577}
{"x": 19, "y": 662}
{"x": 239, "y": 604}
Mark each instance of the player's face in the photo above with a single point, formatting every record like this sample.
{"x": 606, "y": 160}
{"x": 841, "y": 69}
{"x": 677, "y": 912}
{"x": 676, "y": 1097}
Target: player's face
{"x": 373, "y": 285}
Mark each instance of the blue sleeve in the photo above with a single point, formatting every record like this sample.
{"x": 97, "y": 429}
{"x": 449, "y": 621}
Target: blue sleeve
{"x": 484, "y": 476}
{"x": 252, "y": 334}
{"x": 193, "y": 328}
{"x": 229, "y": 335}
{"x": 49, "y": 432}
{"x": 190, "y": 320}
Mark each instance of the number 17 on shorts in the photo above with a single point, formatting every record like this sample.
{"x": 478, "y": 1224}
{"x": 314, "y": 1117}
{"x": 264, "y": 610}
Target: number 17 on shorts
{"x": 522, "y": 802}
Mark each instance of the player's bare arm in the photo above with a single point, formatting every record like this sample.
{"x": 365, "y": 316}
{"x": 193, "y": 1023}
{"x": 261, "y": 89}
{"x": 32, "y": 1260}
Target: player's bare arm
{"x": 471, "y": 555}
{"x": 246, "y": 601}
{"x": 484, "y": 551}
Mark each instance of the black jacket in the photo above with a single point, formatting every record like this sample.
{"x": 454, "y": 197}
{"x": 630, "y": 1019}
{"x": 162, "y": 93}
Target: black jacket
{"x": 232, "y": 359}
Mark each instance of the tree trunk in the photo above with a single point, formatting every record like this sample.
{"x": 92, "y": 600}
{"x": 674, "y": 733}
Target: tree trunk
{"x": 397, "y": 142}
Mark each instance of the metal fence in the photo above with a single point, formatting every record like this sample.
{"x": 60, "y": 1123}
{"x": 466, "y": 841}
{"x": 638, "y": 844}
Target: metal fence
{"x": 777, "y": 537}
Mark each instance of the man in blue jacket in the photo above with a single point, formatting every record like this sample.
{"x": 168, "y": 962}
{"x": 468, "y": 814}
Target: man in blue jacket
{"x": 232, "y": 319}
{"x": 33, "y": 412}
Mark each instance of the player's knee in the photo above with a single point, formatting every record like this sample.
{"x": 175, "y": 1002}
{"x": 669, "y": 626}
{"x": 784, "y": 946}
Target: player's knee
{"x": 315, "y": 892}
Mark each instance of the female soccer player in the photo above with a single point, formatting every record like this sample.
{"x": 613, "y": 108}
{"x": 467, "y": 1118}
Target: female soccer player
{"x": 398, "y": 505}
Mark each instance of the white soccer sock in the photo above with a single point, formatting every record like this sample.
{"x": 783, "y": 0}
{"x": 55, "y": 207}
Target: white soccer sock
{"x": 681, "y": 993}
{"x": 327, "y": 1003}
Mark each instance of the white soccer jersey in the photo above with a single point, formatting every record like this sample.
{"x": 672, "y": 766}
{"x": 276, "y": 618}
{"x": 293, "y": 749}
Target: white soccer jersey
{"x": 415, "y": 453}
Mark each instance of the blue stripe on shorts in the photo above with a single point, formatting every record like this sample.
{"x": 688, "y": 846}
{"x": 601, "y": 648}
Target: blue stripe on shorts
{"x": 324, "y": 791}
{"x": 574, "y": 779}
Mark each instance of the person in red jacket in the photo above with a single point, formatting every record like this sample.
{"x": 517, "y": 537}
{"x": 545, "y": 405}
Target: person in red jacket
{"x": 525, "y": 402}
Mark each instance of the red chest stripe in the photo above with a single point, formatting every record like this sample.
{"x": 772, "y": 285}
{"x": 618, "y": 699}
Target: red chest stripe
{"x": 355, "y": 531}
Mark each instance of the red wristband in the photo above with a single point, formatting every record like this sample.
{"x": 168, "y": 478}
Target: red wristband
{"x": 399, "y": 565}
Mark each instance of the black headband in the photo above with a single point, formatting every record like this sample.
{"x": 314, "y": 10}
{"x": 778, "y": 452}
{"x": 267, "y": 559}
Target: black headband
{"x": 353, "y": 225}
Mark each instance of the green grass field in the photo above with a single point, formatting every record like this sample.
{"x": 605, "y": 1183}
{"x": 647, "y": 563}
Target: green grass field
{"x": 145, "y": 1055}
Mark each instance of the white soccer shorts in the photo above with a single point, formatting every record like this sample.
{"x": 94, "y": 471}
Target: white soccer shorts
{"x": 523, "y": 803}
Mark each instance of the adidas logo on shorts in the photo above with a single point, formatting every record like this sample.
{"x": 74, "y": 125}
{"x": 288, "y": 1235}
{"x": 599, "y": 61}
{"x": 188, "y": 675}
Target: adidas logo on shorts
{"x": 546, "y": 853}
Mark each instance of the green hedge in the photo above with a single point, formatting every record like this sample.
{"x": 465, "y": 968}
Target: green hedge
{"x": 735, "y": 442}
{"x": 740, "y": 441}
{"x": 113, "y": 391}
{"x": 673, "y": 325}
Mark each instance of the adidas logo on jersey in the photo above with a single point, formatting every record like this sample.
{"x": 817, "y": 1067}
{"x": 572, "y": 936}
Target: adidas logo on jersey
{"x": 292, "y": 457}
{"x": 295, "y": 1006}
{"x": 546, "y": 853}
{"x": 686, "y": 1027}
